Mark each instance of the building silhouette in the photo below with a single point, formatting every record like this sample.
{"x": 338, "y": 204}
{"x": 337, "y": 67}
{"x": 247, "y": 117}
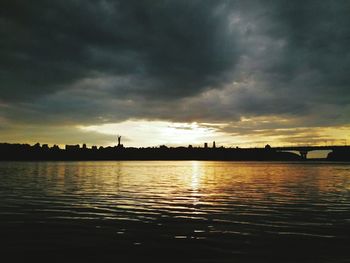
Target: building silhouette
{"x": 72, "y": 147}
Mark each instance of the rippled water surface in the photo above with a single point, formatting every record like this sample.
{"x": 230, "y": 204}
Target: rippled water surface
{"x": 181, "y": 211}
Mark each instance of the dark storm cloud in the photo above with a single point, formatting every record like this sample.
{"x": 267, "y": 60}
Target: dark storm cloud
{"x": 316, "y": 56}
{"x": 166, "y": 49}
{"x": 89, "y": 62}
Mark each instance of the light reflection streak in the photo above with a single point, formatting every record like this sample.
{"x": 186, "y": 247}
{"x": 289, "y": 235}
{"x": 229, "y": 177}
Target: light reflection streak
{"x": 195, "y": 176}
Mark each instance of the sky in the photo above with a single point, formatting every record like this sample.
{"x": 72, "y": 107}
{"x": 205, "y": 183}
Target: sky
{"x": 241, "y": 73}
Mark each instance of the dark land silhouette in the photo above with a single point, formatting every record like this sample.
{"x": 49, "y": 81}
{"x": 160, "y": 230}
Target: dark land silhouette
{"x": 340, "y": 154}
{"x": 26, "y": 152}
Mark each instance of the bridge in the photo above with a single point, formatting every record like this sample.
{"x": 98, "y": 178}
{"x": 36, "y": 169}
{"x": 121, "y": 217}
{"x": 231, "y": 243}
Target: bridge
{"x": 303, "y": 150}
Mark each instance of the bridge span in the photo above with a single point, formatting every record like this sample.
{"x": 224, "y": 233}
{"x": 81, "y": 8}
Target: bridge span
{"x": 303, "y": 150}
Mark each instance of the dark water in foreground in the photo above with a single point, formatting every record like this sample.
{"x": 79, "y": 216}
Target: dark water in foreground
{"x": 184, "y": 211}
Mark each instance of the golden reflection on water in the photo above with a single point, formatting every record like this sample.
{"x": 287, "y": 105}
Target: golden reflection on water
{"x": 234, "y": 206}
{"x": 195, "y": 176}
{"x": 183, "y": 188}
{"x": 191, "y": 179}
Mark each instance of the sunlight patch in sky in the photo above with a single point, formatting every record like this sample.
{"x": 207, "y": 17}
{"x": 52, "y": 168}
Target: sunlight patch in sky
{"x": 155, "y": 133}
{"x": 143, "y": 133}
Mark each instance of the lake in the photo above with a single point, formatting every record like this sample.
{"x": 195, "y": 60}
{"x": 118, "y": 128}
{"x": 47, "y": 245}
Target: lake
{"x": 175, "y": 211}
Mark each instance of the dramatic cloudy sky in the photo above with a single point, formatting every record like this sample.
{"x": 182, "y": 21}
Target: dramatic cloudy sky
{"x": 175, "y": 72}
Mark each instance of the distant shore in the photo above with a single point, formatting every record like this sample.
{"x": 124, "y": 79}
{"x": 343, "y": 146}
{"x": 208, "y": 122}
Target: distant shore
{"x": 37, "y": 152}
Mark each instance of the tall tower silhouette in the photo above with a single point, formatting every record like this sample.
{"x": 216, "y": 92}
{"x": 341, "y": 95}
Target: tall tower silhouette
{"x": 119, "y": 138}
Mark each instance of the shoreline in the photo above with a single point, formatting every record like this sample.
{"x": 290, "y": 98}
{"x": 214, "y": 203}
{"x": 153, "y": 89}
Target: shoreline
{"x": 26, "y": 152}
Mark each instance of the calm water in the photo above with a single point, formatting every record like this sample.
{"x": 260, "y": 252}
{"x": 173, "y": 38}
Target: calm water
{"x": 183, "y": 211}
